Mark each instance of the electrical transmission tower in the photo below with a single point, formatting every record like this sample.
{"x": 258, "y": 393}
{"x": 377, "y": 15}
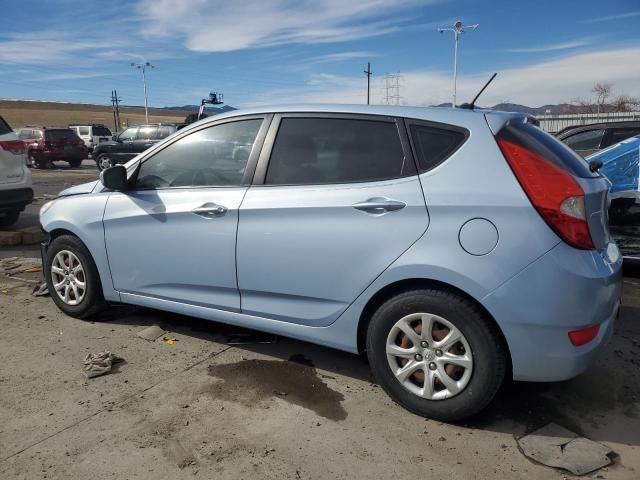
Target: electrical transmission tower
{"x": 391, "y": 90}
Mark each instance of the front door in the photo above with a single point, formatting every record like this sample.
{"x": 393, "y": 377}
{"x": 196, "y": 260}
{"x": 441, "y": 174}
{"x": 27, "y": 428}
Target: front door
{"x": 341, "y": 201}
{"x": 174, "y": 236}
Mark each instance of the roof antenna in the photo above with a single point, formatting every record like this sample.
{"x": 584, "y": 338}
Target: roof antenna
{"x": 470, "y": 106}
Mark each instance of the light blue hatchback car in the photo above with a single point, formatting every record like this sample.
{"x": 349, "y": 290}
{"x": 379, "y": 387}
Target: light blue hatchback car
{"x": 455, "y": 247}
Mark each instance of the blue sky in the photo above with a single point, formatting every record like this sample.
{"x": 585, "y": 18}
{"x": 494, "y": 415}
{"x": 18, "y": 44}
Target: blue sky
{"x": 273, "y": 51}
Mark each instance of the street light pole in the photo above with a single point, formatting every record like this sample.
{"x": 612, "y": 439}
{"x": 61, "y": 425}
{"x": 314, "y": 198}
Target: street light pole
{"x": 457, "y": 29}
{"x": 143, "y": 68}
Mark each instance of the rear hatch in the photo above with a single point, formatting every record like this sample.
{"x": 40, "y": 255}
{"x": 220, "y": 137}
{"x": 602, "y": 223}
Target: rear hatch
{"x": 63, "y": 141}
{"x": 12, "y": 155}
{"x": 572, "y": 199}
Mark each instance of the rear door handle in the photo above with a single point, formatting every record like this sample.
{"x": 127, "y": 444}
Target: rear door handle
{"x": 210, "y": 210}
{"x": 379, "y": 205}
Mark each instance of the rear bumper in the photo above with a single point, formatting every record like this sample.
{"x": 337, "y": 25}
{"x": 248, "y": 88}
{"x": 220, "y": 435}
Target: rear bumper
{"x": 566, "y": 289}
{"x": 15, "y": 199}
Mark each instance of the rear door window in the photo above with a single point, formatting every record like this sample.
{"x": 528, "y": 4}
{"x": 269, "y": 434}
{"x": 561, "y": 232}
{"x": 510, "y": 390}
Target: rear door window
{"x": 433, "y": 145}
{"x": 588, "y": 140}
{"x": 336, "y": 150}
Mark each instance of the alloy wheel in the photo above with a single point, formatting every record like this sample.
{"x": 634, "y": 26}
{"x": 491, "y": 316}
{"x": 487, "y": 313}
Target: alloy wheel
{"x": 68, "y": 277}
{"x": 429, "y": 356}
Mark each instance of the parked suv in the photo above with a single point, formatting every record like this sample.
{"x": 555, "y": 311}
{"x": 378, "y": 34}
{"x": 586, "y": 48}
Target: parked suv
{"x": 16, "y": 190}
{"x": 92, "y": 135}
{"x": 588, "y": 139}
{"x": 457, "y": 248}
{"x": 129, "y": 143}
{"x": 46, "y": 145}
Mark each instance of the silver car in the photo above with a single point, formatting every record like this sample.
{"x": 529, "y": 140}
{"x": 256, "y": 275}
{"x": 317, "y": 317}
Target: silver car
{"x": 456, "y": 248}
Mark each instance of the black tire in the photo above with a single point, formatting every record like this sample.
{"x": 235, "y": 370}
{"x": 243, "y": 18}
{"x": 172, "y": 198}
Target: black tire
{"x": 75, "y": 163}
{"x": 9, "y": 217}
{"x": 104, "y": 161}
{"x": 93, "y": 301}
{"x": 487, "y": 351}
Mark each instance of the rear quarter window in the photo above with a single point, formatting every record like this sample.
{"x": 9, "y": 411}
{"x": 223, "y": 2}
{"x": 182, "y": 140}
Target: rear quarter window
{"x": 433, "y": 145}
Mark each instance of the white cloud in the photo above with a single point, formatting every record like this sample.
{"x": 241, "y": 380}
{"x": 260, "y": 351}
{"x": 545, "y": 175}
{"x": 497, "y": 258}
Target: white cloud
{"x": 619, "y": 16}
{"x": 556, "y": 81}
{"x": 553, "y": 47}
{"x": 221, "y": 25}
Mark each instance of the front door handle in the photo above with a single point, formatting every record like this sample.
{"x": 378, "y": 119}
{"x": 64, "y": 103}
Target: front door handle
{"x": 210, "y": 210}
{"x": 379, "y": 205}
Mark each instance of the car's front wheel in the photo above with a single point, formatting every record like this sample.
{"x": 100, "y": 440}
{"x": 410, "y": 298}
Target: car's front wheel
{"x": 104, "y": 161}
{"x": 72, "y": 277}
{"x": 75, "y": 163}
{"x": 435, "y": 353}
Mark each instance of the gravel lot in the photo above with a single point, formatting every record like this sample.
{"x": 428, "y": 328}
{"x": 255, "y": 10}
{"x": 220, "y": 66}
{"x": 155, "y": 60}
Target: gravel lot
{"x": 201, "y": 408}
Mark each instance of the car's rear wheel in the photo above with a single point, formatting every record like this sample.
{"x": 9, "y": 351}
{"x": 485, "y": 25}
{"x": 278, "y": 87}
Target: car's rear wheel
{"x": 72, "y": 278}
{"x": 9, "y": 217}
{"x": 104, "y": 161}
{"x": 435, "y": 353}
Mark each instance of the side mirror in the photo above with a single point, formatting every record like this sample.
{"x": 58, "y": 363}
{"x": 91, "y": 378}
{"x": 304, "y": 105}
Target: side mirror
{"x": 114, "y": 138}
{"x": 115, "y": 178}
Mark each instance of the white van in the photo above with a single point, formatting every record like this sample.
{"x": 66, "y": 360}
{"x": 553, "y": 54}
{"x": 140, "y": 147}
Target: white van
{"x": 92, "y": 134}
{"x": 16, "y": 188}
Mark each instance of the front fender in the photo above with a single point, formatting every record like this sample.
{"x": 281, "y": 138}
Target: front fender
{"x": 81, "y": 215}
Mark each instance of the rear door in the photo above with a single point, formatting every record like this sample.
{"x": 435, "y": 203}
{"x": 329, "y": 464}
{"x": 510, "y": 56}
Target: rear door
{"x": 336, "y": 200}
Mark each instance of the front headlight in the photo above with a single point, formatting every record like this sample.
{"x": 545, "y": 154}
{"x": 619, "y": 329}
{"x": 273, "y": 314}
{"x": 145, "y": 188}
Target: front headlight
{"x": 46, "y": 207}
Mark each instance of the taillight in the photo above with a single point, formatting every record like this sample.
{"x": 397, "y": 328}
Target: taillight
{"x": 554, "y": 193}
{"x": 17, "y": 147}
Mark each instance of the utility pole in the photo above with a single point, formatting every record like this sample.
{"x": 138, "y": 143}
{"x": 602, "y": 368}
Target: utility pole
{"x": 143, "y": 67}
{"x": 457, "y": 29}
{"x": 368, "y": 72}
{"x": 215, "y": 98}
{"x": 117, "y": 100}
{"x": 113, "y": 106}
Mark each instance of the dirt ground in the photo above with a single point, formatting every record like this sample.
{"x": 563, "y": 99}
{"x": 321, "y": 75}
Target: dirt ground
{"x": 201, "y": 408}
{"x": 20, "y": 113}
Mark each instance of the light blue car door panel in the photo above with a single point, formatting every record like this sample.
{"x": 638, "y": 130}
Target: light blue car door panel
{"x": 306, "y": 252}
{"x": 176, "y": 244}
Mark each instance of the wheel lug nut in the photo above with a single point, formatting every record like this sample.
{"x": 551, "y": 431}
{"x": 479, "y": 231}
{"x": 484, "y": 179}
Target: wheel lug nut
{"x": 424, "y": 344}
{"x": 432, "y": 366}
{"x": 418, "y": 357}
{"x": 439, "y": 353}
